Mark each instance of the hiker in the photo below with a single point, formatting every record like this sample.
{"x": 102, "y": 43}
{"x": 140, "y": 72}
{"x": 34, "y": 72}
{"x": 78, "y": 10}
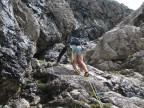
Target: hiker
{"x": 76, "y": 55}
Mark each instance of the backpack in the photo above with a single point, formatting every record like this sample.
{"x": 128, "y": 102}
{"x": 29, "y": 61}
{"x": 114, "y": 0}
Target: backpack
{"x": 75, "y": 41}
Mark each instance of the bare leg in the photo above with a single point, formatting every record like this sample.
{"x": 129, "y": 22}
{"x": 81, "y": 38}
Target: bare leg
{"x": 82, "y": 64}
{"x": 81, "y": 69}
{"x": 74, "y": 63}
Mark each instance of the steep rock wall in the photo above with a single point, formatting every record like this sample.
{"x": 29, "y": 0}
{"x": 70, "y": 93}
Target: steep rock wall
{"x": 95, "y": 17}
{"x": 28, "y": 27}
{"x": 15, "y": 52}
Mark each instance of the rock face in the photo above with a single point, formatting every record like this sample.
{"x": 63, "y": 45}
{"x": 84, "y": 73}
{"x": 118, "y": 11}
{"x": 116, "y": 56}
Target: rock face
{"x": 15, "y": 51}
{"x": 92, "y": 17}
{"x": 122, "y": 47}
{"x": 95, "y": 17}
{"x": 28, "y": 27}
{"x": 56, "y": 21}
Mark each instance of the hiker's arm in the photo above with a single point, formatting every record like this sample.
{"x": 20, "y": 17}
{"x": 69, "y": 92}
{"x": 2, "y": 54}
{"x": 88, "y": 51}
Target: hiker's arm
{"x": 61, "y": 53}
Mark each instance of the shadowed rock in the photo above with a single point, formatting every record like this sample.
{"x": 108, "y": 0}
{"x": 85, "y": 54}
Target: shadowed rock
{"x": 95, "y": 17}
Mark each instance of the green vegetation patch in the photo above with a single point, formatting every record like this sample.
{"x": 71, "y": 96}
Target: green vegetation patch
{"x": 19, "y": 89}
{"x": 42, "y": 85}
{"x": 40, "y": 62}
{"x": 116, "y": 72}
{"x": 93, "y": 105}
{"x": 142, "y": 97}
{"x": 107, "y": 105}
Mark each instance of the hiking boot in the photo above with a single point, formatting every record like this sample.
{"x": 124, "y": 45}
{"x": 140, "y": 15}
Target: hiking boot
{"x": 86, "y": 74}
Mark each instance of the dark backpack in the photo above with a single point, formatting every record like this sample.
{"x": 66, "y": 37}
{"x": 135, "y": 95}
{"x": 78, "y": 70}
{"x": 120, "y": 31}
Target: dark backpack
{"x": 75, "y": 41}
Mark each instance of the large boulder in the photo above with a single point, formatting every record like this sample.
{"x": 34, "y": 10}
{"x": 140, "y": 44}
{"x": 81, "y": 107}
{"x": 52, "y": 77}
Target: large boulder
{"x": 122, "y": 47}
{"x": 56, "y": 22}
{"x": 25, "y": 18}
{"x": 63, "y": 15}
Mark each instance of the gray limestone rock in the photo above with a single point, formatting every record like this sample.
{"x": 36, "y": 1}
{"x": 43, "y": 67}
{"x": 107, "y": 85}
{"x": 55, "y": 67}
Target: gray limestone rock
{"x": 29, "y": 28}
{"x": 120, "y": 48}
{"x": 35, "y": 64}
{"x": 22, "y": 103}
{"x": 95, "y": 17}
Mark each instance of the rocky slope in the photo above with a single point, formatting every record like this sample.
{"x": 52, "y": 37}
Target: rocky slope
{"x": 61, "y": 86}
{"x": 123, "y": 46}
{"x": 29, "y": 28}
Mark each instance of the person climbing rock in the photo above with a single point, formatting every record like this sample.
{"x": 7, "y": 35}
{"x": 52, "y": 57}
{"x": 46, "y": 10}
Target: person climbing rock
{"x": 76, "y": 55}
